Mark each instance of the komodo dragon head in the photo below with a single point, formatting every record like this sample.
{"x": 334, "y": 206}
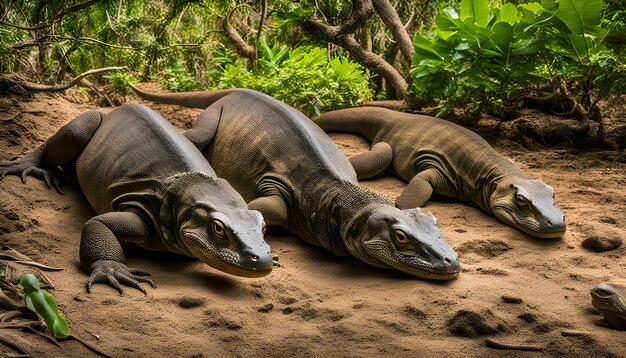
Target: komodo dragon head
{"x": 610, "y": 300}
{"x": 407, "y": 240}
{"x": 528, "y": 205}
{"x": 214, "y": 225}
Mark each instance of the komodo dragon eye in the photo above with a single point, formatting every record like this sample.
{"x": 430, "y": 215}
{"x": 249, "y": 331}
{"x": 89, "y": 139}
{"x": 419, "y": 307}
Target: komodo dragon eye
{"x": 521, "y": 201}
{"x": 604, "y": 293}
{"x": 218, "y": 228}
{"x": 401, "y": 237}
{"x": 264, "y": 228}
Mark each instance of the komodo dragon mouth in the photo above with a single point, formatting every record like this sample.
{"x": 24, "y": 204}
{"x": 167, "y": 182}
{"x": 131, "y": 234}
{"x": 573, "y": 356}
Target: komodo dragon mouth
{"x": 408, "y": 261}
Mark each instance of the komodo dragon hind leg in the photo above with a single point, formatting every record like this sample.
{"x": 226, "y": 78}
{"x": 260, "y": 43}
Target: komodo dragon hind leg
{"x": 205, "y": 126}
{"x": 61, "y": 148}
{"x": 374, "y": 162}
{"x": 419, "y": 190}
{"x": 101, "y": 254}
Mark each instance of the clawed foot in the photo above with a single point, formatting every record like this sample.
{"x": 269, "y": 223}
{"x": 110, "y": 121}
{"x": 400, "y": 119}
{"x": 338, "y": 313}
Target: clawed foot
{"x": 28, "y": 166}
{"x": 114, "y": 273}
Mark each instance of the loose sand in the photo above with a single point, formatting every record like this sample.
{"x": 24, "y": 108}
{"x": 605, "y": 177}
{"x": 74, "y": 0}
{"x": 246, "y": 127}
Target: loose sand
{"x": 512, "y": 288}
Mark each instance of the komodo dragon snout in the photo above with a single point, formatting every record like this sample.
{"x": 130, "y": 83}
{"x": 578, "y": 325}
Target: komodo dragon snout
{"x": 228, "y": 238}
{"x": 528, "y": 205}
{"x": 410, "y": 241}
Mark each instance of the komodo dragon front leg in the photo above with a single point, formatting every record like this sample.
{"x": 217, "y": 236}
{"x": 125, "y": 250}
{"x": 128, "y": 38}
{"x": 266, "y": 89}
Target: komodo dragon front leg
{"x": 102, "y": 255}
{"x": 100, "y": 251}
{"x": 61, "y": 148}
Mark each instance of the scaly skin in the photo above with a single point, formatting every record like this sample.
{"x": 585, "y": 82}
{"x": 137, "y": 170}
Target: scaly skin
{"x": 151, "y": 187}
{"x": 610, "y": 300}
{"x": 287, "y": 168}
{"x": 437, "y": 156}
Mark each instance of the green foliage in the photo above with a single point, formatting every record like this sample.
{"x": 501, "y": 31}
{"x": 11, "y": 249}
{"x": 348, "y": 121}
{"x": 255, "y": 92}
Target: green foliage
{"x": 177, "y": 79}
{"x": 485, "y": 61}
{"x": 118, "y": 82}
{"x": 44, "y": 304}
{"x": 301, "y": 77}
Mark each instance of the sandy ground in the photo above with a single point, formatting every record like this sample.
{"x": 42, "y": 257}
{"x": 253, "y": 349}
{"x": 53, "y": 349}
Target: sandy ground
{"x": 321, "y": 305}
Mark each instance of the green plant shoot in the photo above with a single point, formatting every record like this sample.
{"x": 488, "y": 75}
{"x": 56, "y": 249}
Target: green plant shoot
{"x": 44, "y": 304}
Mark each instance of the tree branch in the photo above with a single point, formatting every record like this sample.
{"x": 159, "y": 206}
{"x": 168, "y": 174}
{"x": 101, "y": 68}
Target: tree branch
{"x": 241, "y": 47}
{"x": 363, "y": 56}
{"x": 40, "y": 41}
{"x": 390, "y": 18}
{"x": 31, "y": 86}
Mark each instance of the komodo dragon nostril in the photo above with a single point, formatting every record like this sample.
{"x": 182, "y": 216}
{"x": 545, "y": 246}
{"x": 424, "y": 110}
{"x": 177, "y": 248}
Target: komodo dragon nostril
{"x": 447, "y": 260}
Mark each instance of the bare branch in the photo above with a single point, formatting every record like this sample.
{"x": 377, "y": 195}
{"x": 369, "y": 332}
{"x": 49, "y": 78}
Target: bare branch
{"x": 241, "y": 47}
{"x": 31, "y": 86}
{"x": 40, "y": 41}
{"x": 261, "y": 23}
{"x": 390, "y": 18}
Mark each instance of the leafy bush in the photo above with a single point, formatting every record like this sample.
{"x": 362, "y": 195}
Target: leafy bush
{"x": 485, "y": 60}
{"x": 117, "y": 82}
{"x": 177, "y": 79}
{"x": 302, "y": 77}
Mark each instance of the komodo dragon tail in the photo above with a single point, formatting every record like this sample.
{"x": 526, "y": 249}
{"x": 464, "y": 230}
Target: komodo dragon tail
{"x": 199, "y": 99}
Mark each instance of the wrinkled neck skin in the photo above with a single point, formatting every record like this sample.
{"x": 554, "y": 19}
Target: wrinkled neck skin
{"x": 488, "y": 184}
{"x": 340, "y": 214}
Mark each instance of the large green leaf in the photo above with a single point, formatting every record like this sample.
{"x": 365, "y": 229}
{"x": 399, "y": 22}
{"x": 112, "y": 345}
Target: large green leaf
{"x": 502, "y": 36}
{"x": 508, "y": 13}
{"x": 580, "y": 16}
{"x": 579, "y": 21}
{"x": 477, "y": 9}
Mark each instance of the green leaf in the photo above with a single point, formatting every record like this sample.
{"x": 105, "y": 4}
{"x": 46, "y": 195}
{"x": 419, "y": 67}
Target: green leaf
{"x": 44, "y": 304}
{"x": 533, "y": 7}
{"x": 508, "y": 13}
{"x": 30, "y": 283}
{"x": 580, "y": 15}
{"x": 502, "y": 36}
{"x": 476, "y": 9}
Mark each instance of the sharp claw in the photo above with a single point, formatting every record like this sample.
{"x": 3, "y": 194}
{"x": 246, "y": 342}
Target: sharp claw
{"x": 55, "y": 183}
{"x": 130, "y": 282}
{"x": 113, "y": 282}
{"x": 138, "y": 272}
{"x": 24, "y": 174}
{"x": 46, "y": 178}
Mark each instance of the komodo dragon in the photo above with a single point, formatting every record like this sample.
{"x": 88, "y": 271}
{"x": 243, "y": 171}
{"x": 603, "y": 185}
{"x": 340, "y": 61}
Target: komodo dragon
{"x": 435, "y": 155}
{"x": 610, "y": 300}
{"x": 290, "y": 170}
{"x": 150, "y": 187}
